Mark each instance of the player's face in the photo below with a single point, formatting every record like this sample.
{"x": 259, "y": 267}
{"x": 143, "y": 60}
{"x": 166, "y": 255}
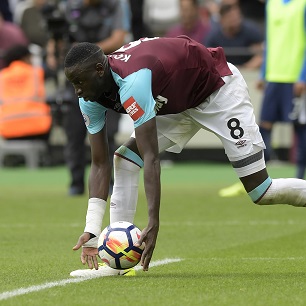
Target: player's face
{"x": 88, "y": 82}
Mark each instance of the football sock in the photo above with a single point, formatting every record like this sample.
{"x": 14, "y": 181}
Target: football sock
{"x": 257, "y": 193}
{"x": 129, "y": 155}
{"x": 289, "y": 191}
{"x": 123, "y": 201}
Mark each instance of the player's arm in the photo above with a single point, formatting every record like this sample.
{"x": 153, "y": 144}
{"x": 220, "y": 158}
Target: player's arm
{"x": 137, "y": 99}
{"x": 120, "y": 27}
{"x": 146, "y": 139}
{"x": 100, "y": 170}
{"x": 99, "y": 178}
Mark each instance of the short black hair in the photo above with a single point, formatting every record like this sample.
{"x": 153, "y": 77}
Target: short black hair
{"x": 82, "y": 52}
{"x": 225, "y": 8}
{"x": 15, "y": 53}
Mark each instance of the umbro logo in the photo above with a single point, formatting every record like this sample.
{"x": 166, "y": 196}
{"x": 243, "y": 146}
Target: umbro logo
{"x": 240, "y": 143}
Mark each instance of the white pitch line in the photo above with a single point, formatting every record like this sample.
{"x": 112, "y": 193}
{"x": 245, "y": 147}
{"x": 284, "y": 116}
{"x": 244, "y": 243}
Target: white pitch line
{"x": 160, "y": 263}
{"x": 21, "y": 291}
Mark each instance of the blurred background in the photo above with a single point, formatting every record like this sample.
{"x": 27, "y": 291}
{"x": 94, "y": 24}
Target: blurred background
{"x": 48, "y": 28}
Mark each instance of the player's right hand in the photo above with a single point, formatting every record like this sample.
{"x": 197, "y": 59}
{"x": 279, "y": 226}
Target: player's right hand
{"x": 89, "y": 254}
{"x": 260, "y": 84}
{"x": 148, "y": 236}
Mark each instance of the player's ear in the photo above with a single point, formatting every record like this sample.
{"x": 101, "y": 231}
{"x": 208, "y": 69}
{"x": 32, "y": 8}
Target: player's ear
{"x": 100, "y": 69}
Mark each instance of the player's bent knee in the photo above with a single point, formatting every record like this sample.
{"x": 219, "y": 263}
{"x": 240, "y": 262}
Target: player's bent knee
{"x": 129, "y": 155}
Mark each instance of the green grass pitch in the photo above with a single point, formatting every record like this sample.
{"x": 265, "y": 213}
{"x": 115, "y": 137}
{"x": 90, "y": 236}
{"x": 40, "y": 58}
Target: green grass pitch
{"x": 232, "y": 252}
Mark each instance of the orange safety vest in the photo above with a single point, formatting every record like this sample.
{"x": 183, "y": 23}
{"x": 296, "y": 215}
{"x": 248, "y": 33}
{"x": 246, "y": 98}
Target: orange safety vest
{"x": 23, "y": 111}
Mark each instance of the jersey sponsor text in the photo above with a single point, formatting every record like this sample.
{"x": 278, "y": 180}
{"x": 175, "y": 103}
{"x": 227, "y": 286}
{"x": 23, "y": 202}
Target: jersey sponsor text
{"x": 133, "y": 109}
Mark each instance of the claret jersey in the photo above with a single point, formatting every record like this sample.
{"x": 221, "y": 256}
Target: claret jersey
{"x": 158, "y": 76}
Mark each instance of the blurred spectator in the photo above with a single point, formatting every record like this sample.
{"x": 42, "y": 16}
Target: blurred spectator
{"x": 284, "y": 70}
{"x": 106, "y": 23}
{"x": 5, "y": 9}
{"x": 298, "y": 116}
{"x": 29, "y": 15}
{"x": 160, "y": 15}
{"x": 10, "y": 35}
{"x": 191, "y": 23}
{"x": 54, "y": 15}
{"x": 283, "y": 78}
{"x": 139, "y": 27}
{"x": 255, "y": 11}
{"x": 241, "y": 38}
{"x": 23, "y": 111}
{"x": 251, "y": 9}
{"x": 212, "y": 7}
{"x": 103, "y": 22}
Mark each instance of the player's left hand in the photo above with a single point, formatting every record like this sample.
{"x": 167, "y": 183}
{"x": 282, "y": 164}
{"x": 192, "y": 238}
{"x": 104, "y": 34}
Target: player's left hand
{"x": 299, "y": 88}
{"x": 148, "y": 236}
{"x": 89, "y": 254}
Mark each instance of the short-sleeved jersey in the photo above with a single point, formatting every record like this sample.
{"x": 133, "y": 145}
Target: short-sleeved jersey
{"x": 158, "y": 76}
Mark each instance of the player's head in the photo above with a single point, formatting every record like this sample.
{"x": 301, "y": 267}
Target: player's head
{"x": 84, "y": 53}
{"x": 85, "y": 66}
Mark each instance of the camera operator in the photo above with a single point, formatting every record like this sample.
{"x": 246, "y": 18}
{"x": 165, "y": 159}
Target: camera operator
{"x": 106, "y": 23}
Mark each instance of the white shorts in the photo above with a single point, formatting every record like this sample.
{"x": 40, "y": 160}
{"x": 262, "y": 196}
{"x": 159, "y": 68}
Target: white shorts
{"x": 229, "y": 114}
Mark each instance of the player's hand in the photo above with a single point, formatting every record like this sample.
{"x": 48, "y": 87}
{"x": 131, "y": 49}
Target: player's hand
{"x": 89, "y": 254}
{"x": 299, "y": 88}
{"x": 260, "y": 84}
{"x": 148, "y": 236}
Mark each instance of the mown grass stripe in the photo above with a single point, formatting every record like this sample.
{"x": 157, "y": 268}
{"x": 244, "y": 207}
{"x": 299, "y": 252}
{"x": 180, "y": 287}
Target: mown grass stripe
{"x": 21, "y": 291}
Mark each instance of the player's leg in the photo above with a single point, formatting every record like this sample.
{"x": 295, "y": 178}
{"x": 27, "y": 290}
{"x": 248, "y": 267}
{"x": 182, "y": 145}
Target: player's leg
{"x": 264, "y": 190}
{"x": 229, "y": 114}
{"x": 276, "y": 106}
{"x": 281, "y": 191}
{"x": 127, "y": 163}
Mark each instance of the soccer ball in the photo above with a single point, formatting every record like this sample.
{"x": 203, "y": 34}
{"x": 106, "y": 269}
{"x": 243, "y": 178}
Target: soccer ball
{"x": 116, "y": 245}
